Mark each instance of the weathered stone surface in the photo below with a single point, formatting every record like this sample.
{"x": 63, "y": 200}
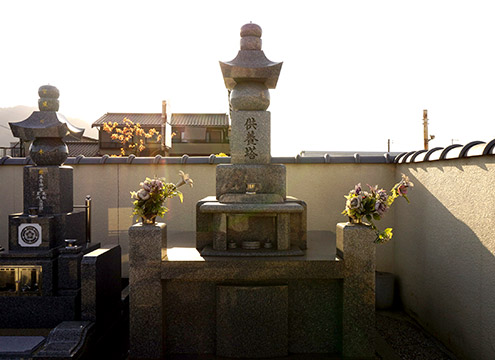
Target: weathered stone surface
{"x": 252, "y": 321}
{"x": 314, "y": 288}
{"x": 261, "y": 252}
{"x": 251, "y": 198}
{"x": 232, "y": 179}
{"x": 252, "y": 222}
{"x": 315, "y": 315}
{"x": 147, "y": 249}
{"x": 250, "y": 63}
{"x": 283, "y": 237}
{"x": 355, "y": 245}
{"x": 219, "y": 223}
{"x": 189, "y": 317}
{"x": 250, "y": 96}
{"x": 218, "y": 207}
{"x": 250, "y": 137}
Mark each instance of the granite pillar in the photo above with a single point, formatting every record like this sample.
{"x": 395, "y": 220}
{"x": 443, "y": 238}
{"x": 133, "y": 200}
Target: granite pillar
{"x": 219, "y": 223}
{"x": 147, "y": 249}
{"x": 355, "y": 245}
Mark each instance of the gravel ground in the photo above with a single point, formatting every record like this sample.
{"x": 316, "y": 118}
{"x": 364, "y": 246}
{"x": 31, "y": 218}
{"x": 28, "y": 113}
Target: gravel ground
{"x": 400, "y": 337}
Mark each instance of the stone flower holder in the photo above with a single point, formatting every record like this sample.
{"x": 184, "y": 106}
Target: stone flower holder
{"x": 356, "y": 248}
{"x": 147, "y": 249}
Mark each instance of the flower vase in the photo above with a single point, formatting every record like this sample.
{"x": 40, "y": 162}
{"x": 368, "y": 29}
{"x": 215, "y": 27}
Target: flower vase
{"x": 355, "y": 220}
{"x": 148, "y": 219}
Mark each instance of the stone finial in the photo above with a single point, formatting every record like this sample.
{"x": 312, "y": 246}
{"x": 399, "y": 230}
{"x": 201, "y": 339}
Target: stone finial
{"x": 46, "y": 129}
{"x": 250, "y": 63}
{"x": 251, "y": 37}
{"x": 250, "y": 74}
{"x": 48, "y": 98}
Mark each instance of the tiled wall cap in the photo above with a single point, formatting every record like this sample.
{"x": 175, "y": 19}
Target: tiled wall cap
{"x": 78, "y": 159}
{"x": 445, "y": 153}
{"x": 406, "y": 157}
{"x": 298, "y": 158}
{"x": 489, "y": 148}
{"x": 184, "y": 158}
{"x": 211, "y": 159}
{"x": 431, "y": 151}
{"x": 399, "y": 157}
{"x": 357, "y": 158}
{"x": 130, "y": 158}
{"x": 104, "y": 159}
{"x": 157, "y": 159}
{"x": 5, "y": 158}
{"x": 467, "y": 147}
{"x": 328, "y": 158}
{"x": 416, "y": 154}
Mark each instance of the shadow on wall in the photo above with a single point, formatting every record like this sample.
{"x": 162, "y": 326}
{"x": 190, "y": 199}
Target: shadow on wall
{"x": 443, "y": 258}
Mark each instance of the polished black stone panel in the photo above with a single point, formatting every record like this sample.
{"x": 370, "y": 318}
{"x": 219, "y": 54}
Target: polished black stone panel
{"x": 101, "y": 287}
{"x": 54, "y": 230}
{"x": 38, "y": 311}
{"x": 56, "y": 183}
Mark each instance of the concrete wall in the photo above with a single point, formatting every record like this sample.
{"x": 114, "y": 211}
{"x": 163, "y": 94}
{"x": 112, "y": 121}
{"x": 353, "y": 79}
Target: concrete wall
{"x": 445, "y": 253}
{"x": 322, "y": 186}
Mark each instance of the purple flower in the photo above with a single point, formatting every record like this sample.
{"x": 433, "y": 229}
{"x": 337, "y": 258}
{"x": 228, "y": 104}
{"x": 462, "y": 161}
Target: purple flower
{"x": 354, "y": 203}
{"x": 380, "y": 208}
{"x": 382, "y": 195}
{"x": 143, "y": 194}
{"x": 357, "y": 189}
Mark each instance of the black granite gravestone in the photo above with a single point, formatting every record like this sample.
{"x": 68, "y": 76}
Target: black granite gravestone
{"x": 40, "y": 281}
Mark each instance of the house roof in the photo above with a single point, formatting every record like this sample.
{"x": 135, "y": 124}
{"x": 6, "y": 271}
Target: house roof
{"x": 144, "y": 119}
{"x": 199, "y": 120}
{"x": 154, "y": 119}
{"x": 85, "y": 148}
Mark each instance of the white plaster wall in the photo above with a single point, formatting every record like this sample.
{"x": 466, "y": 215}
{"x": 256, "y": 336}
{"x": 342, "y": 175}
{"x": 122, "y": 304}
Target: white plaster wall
{"x": 445, "y": 255}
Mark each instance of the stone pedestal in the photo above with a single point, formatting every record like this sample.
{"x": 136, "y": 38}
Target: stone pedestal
{"x": 232, "y": 179}
{"x": 147, "y": 249}
{"x": 355, "y": 245}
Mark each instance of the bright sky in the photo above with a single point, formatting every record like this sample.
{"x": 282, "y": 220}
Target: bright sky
{"x": 355, "y": 73}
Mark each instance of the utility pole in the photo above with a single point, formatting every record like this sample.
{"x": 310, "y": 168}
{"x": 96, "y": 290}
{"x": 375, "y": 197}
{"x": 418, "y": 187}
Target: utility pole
{"x": 426, "y": 138}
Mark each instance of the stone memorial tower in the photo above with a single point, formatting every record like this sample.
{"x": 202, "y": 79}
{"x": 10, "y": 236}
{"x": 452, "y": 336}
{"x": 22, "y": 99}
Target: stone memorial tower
{"x": 251, "y": 214}
{"x": 40, "y": 272}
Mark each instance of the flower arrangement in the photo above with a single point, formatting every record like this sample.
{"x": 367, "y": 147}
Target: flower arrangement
{"x": 149, "y": 200}
{"x": 373, "y": 204}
